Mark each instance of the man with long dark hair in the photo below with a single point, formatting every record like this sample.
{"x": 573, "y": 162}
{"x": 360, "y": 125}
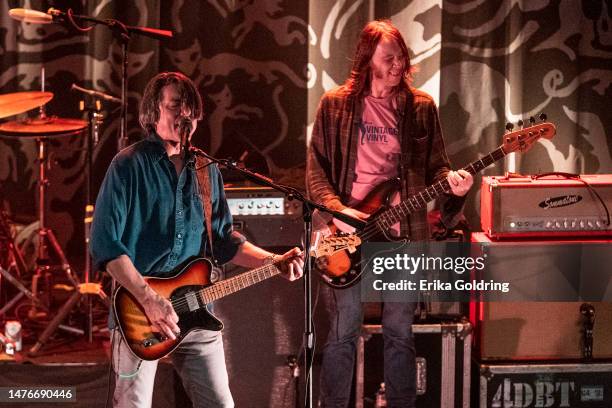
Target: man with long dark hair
{"x": 373, "y": 128}
{"x": 150, "y": 218}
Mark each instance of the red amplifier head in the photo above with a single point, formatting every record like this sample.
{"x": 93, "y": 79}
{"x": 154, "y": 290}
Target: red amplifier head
{"x": 546, "y": 207}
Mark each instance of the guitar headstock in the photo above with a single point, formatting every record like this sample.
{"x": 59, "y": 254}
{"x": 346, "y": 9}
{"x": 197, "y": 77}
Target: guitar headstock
{"x": 522, "y": 139}
{"x": 330, "y": 245}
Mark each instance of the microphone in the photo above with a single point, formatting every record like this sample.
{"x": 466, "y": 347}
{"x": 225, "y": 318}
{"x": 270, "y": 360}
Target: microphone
{"x": 97, "y": 94}
{"x": 185, "y": 125}
{"x": 184, "y": 129}
{"x": 30, "y": 16}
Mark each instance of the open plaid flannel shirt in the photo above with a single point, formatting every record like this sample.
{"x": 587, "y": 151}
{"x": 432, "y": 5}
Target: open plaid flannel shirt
{"x": 332, "y": 154}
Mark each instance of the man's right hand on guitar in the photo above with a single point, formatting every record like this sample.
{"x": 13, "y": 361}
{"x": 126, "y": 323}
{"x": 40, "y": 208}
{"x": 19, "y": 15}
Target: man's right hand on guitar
{"x": 161, "y": 314}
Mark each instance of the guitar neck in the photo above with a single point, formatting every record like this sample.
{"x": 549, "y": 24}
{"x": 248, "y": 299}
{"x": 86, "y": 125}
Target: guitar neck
{"x": 238, "y": 282}
{"x": 420, "y": 200}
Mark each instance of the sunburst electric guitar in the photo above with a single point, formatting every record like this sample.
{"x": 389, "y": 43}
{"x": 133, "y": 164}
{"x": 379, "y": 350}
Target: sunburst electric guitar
{"x": 189, "y": 291}
{"x": 337, "y": 254}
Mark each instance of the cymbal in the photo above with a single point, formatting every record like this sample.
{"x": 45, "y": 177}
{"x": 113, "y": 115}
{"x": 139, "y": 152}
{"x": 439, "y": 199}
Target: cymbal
{"x": 43, "y": 127}
{"x": 19, "y": 102}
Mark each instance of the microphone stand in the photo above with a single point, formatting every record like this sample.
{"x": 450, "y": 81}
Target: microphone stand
{"x": 123, "y": 34}
{"x": 308, "y": 207}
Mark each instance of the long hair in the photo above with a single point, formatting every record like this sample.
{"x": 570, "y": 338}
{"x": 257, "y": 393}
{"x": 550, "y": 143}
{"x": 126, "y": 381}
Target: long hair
{"x": 149, "y": 106}
{"x": 359, "y": 80}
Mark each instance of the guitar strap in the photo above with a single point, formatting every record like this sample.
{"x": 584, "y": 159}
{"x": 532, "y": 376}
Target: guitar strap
{"x": 407, "y": 133}
{"x": 203, "y": 175}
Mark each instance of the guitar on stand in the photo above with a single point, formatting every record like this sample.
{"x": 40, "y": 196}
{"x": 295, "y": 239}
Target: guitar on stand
{"x": 337, "y": 253}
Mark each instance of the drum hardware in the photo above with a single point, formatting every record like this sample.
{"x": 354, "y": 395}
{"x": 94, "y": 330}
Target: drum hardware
{"x": 17, "y": 263}
{"x": 42, "y": 129}
{"x": 88, "y": 288}
{"x": 15, "y": 259}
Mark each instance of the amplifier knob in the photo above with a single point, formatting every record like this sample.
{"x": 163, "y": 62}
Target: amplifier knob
{"x": 589, "y": 224}
{"x": 565, "y": 224}
{"x": 598, "y": 224}
{"x": 549, "y": 224}
{"x": 557, "y": 224}
{"x": 573, "y": 224}
{"x": 241, "y": 206}
{"x": 581, "y": 224}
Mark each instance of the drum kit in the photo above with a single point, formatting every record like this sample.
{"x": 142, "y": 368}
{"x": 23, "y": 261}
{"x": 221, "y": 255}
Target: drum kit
{"x": 42, "y": 129}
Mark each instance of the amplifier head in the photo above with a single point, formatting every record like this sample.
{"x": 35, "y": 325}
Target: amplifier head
{"x": 257, "y": 201}
{"x": 529, "y": 207}
{"x": 265, "y": 216}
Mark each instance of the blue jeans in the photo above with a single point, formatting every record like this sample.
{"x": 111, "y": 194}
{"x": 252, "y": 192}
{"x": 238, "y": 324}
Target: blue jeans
{"x": 346, "y": 315}
{"x": 199, "y": 361}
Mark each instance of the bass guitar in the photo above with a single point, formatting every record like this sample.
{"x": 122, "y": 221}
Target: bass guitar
{"x": 190, "y": 291}
{"x": 337, "y": 253}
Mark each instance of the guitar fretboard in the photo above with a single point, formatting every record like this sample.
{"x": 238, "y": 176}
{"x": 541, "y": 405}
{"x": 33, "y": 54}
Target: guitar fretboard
{"x": 238, "y": 282}
{"x": 419, "y": 200}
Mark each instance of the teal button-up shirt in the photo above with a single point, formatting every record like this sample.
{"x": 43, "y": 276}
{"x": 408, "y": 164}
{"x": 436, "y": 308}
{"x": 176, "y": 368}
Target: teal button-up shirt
{"x": 146, "y": 211}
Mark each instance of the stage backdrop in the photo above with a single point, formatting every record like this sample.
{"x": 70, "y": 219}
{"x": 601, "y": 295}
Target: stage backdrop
{"x": 262, "y": 66}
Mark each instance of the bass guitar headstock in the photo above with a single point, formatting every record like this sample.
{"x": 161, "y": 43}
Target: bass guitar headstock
{"x": 523, "y": 139}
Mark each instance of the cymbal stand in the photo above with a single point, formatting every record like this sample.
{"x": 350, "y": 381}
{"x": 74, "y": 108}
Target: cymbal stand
{"x": 87, "y": 288}
{"x": 46, "y": 237}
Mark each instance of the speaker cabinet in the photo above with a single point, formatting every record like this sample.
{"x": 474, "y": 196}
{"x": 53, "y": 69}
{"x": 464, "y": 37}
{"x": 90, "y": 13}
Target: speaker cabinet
{"x": 540, "y": 331}
{"x": 535, "y": 330}
{"x": 264, "y": 327}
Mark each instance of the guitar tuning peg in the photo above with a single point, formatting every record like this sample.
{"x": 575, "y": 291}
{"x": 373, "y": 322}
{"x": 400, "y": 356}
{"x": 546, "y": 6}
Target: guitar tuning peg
{"x": 509, "y": 126}
{"x": 531, "y": 120}
{"x": 520, "y": 122}
{"x": 543, "y": 117}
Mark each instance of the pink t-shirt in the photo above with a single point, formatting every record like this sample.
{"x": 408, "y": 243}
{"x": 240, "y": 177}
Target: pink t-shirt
{"x": 378, "y": 152}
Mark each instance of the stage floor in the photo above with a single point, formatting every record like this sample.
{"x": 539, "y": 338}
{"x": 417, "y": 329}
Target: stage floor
{"x": 85, "y": 366}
